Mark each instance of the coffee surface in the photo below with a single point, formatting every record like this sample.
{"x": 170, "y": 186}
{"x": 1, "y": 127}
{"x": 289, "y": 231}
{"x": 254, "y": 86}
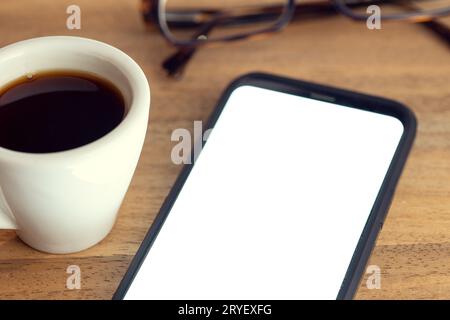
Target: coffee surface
{"x": 57, "y": 111}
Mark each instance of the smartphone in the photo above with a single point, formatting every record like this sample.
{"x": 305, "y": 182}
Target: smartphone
{"x": 285, "y": 200}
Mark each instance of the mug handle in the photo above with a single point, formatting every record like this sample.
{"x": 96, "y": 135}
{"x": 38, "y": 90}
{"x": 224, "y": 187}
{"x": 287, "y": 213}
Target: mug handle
{"x": 7, "y": 220}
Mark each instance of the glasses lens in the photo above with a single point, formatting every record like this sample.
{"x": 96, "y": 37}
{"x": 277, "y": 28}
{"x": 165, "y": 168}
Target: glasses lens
{"x": 397, "y": 8}
{"x": 188, "y": 20}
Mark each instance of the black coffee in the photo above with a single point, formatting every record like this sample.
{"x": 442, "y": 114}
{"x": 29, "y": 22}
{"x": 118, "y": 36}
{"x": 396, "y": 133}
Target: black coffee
{"x": 57, "y": 111}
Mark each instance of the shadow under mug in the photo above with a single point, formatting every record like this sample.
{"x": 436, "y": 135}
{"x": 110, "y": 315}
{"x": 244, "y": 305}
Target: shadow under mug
{"x": 67, "y": 201}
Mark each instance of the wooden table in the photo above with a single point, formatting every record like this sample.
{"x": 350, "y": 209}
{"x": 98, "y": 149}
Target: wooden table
{"x": 401, "y": 61}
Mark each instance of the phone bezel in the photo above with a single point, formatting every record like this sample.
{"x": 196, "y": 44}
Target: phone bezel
{"x": 323, "y": 93}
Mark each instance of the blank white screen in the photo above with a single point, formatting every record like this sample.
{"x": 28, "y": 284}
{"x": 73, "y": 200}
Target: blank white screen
{"x": 275, "y": 204}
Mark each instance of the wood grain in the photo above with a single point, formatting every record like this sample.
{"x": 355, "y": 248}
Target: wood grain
{"x": 401, "y": 61}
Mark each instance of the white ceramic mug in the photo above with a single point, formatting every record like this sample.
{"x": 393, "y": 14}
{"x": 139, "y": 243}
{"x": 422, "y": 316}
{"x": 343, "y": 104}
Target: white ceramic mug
{"x": 68, "y": 201}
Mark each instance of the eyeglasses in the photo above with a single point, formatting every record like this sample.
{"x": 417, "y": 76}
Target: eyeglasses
{"x": 190, "y": 24}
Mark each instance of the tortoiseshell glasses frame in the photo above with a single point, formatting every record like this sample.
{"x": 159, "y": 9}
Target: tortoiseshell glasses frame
{"x": 204, "y": 20}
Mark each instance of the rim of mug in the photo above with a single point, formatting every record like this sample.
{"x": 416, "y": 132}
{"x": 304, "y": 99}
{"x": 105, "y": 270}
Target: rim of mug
{"x": 138, "y": 107}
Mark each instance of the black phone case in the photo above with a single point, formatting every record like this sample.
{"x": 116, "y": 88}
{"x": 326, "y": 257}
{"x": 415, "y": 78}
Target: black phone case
{"x": 318, "y": 92}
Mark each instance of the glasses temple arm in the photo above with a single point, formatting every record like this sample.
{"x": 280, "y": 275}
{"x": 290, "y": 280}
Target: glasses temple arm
{"x": 175, "y": 63}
